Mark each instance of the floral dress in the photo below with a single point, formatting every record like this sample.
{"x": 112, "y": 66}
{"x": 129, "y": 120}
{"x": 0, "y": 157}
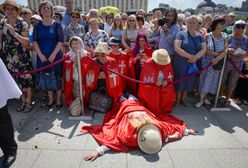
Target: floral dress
{"x": 15, "y": 56}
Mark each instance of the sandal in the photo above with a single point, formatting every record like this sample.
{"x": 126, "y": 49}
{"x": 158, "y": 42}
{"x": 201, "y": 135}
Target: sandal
{"x": 21, "y": 108}
{"x": 28, "y": 108}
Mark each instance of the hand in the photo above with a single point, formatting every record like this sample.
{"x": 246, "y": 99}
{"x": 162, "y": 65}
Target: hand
{"x": 231, "y": 50}
{"x": 159, "y": 83}
{"x": 142, "y": 61}
{"x": 51, "y": 58}
{"x": 101, "y": 75}
{"x": 43, "y": 58}
{"x": 11, "y": 29}
{"x": 192, "y": 59}
{"x": 91, "y": 156}
{"x": 192, "y": 131}
{"x": 215, "y": 61}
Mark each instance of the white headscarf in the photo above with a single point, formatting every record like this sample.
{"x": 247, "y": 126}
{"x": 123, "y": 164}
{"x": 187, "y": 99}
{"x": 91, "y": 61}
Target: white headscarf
{"x": 82, "y": 51}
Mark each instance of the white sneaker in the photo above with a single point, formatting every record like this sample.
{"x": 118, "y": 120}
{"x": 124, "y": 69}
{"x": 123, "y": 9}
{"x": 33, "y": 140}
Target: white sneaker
{"x": 199, "y": 104}
{"x": 206, "y": 101}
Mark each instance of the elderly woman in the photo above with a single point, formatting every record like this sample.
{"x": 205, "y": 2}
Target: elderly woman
{"x": 95, "y": 36}
{"x": 48, "y": 40}
{"x": 237, "y": 47}
{"x": 216, "y": 42}
{"x": 167, "y": 31}
{"x": 95, "y": 77}
{"x": 130, "y": 33}
{"x": 190, "y": 47}
{"x": 180, "y": 21}
{"x": 207, "y": 21}
{"x": 14, "y": 42}
{"x": 93, "y": 13}
{"x": 71, "y": 75}
{"x": 74, "y": 28}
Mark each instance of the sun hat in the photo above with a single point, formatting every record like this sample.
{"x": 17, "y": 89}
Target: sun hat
{"x": 161, "y": 57}
{"x": 114, "y": 41}
{"x": 12, "y": 3}
{"x": 149, "y": 139}
{"x": 37, "y": 17}
{"x": 102, "y": 47}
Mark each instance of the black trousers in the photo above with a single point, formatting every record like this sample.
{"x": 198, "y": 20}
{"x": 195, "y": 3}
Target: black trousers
{"x": 7, "y": 141}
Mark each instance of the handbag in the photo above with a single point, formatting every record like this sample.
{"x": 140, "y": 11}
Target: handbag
{"x": 47, "y": 81}
{"x": 100, "y": 102}
{"x": 220, "y": 64}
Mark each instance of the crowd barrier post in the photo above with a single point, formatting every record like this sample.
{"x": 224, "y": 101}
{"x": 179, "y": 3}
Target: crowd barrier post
{"x": 215, "y": 108}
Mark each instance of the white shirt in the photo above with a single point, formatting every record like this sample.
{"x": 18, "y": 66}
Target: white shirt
{"x": 8, "y": 87}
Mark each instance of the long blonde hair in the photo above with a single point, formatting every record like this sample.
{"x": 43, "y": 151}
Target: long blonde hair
{"x": 127, "y": 27}
{"x": 114, "y": 26}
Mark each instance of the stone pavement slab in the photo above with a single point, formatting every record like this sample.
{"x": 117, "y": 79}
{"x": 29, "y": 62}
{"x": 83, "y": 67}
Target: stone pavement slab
{"x": 47, "y": 139}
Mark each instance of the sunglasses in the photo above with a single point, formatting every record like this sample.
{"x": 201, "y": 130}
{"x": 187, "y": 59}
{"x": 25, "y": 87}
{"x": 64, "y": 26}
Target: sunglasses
{"x": 240, "y": 26}
{"x": 124, "y": 18}
{"x": 57, "y": 17}
{"x": 75, "y": 17}
{"x": 109, "y": 17}
{"x": 131, "y": 21}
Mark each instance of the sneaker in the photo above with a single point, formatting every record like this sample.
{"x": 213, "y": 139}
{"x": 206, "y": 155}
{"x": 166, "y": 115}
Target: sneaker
{"x": 199, "y": 104}
{"x": 206, "y": 101}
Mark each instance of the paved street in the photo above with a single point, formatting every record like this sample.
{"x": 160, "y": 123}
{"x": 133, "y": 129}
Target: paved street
{"x": 47, "y": 139}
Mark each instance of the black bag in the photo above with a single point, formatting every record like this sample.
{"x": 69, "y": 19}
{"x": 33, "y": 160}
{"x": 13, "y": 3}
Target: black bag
{"x": 100, "y": 102}
{"x": 219, "y": 65}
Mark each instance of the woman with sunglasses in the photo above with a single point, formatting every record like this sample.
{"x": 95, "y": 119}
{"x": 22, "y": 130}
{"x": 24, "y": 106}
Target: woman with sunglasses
{"x": 109, "y": 21}
{"x": 74, "y": 28}
{"x": 217, "y": 43}
{"x": 237, "y": 50}
{"x": 117, "y": 28}
{"x": 130, "y": 33}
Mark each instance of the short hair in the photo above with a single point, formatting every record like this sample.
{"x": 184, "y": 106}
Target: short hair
{"x": 59, "y": 14}
{"x": 180, "y": 16}
{"x": 75, "y": 12}
{"x": 92, "y": 10}
{"x": 193, "y": 18}
{"x": 93, "y": 20}
{"x": 26, "y": 10}
{"x": 43, "y": 3}
{"x": 174, "y": 11}
{"x": 215, "y": 22}
{"x": 208, "y": 16}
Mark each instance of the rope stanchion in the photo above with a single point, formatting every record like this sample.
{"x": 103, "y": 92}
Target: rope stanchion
{"x": 42, "y": 68}
{"x": 236, "y": 68}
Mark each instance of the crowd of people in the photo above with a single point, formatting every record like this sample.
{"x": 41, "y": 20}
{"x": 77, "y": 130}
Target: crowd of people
{"x": 155, "y": 48}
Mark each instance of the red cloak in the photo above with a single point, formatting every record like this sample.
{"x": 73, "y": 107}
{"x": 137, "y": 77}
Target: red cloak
{"x": 156, "y": 99}
{"x": 119, "y": 134}
{"x": 133, "y": 85}
{"x": 91, "y": 70}
{"x": 122, "y": 60}
{"x": 68, "y": 78}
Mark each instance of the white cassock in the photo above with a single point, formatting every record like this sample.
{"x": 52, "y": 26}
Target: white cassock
{"x": 8, "y": 86}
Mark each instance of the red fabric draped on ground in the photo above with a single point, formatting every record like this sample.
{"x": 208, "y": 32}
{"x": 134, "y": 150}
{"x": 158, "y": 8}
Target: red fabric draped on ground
{"x": 120, "y": 128}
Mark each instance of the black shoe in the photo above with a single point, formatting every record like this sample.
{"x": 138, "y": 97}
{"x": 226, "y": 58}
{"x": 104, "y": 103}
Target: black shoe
{"x": 9, "y": 160}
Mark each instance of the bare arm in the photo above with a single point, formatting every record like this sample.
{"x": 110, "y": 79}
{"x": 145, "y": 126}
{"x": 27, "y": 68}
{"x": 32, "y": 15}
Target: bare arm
{"x": 179, "y": 50}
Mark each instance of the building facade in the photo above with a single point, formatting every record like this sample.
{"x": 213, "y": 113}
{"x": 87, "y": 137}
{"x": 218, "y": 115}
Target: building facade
{"x": 86, "y": 5}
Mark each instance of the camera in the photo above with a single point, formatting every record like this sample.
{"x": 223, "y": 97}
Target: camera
{"x": 162, "y": 21}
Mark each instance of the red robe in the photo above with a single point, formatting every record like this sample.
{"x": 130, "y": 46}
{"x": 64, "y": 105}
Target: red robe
{"x": 91, "y": 70}
{"x": 133, "y": 85}
{"x": 119, "y": 134}
{"x": 68, "y": 78}
{"x": 123, "y": 65}
{"x": 158, "y": 100}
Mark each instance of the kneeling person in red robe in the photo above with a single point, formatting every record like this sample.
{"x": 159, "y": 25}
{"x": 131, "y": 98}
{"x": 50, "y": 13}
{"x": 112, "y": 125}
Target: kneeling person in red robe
{"x": 71, "y": 75}
{"x": 134, "y": 127}
{"x": 159, "y": 96}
